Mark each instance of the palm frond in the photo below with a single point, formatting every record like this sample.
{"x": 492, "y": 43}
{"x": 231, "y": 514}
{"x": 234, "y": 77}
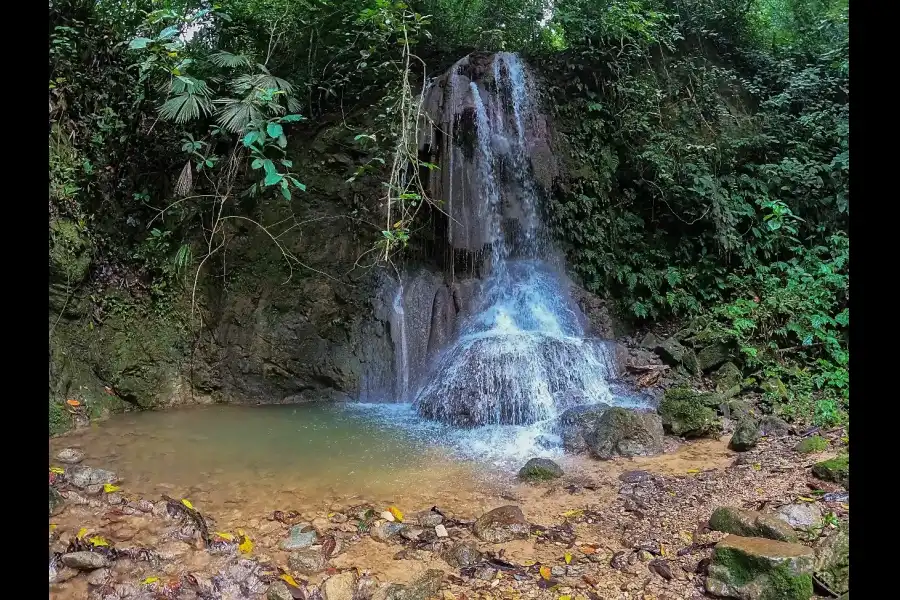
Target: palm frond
{"x": 185, "y": 181}
{"x": 234, "y": 115}
{"x": 229, "y": 60}
{"x": 184, "y": 108}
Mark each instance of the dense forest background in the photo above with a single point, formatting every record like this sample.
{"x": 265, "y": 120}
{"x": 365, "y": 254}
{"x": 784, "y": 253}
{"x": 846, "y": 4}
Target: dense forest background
{"x": 707, "y": 167}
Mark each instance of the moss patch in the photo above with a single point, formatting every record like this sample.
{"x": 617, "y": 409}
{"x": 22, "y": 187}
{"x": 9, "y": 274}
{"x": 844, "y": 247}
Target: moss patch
{"x": 737, "y": 569}
{"x": 837, "y": 470}
{"x": 688, "y": 413}
{"x": 540, "y": 469}
{"x": 814, "y": 443}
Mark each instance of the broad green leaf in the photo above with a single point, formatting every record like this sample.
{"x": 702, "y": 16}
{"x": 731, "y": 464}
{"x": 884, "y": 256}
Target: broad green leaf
{"x": 285, "y": 190}
{"x": 139, "y": 43}
{"x": 250, "y": 139}
{"x": 269, "y": 166}
{"x": 287, "y": 163}
{"x": 168, "y": 33}
{"x": 292, "y": 118}
{"x": 274, "y": 130}
{"x": 257, "y": 163}
{"x": 272, "y": 178}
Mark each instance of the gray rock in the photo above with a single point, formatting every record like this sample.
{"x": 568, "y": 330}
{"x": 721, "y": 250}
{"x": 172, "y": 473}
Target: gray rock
{"x": 750, "y": 523}
{"x": 688, "y": 413}
{"x": 82, "y": 476}
{"x": 307, "y": 561}
{"x": 70, "y": 456}
{"x": 832, "y": 565}
{"x": 85, "y": 561}
{"x": 428, "y": 518}
{"x": 577, "y": 423}
{"x": 297, "y": 538}
{"x": 772, "y": 426}
{"x": 461, "y": 555}
{"x": 801, "y": 515}
{"x": 632, "y": 477}
{"x": 485, "y": 573}
{"x": 675, "y": 354}
{"x": 385, "y": 531}
{"x": 727, "y": 377}
{"x": 751, "y": 568}
{"x": 624, "y": 432}
{"x": 425, "y": 586}
{"x": 411, "y": 532}
{"x": 745, "y": 436}
{"x": 279, "y": 591}
{"x": 837, "y": 497}
{"x": 713, "y": 356}
{"x": 558, "y": 571}
{"x": 99, "y": 577}
{"x": 502, "y": 525}
{"x": 366, "y": 587}
{"x": 340, "y": 587}
{"x": 540, "y": 469}
{"x": 56, "y": 501}
{"x": 649, "y": 342}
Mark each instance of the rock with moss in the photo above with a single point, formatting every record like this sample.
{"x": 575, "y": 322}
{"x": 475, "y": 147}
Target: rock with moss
{"x": 686, "y": 413}
{"x": 713, "y": 356}
{"x": 736, "y": 409}
{"x": 750, "y": 523}
{"x": 760, "y": 569}
{"x": 811, "y": 445}
{"x": 832, "y": 565}
{"x": 727, "y": 378}
{"x": 675, "y": 354}
{"x": 624, "y": 432}
{"x": 70, "y": 260}
{"x": 772, "y": 426}
{"x": 577, "y": 424}
{"x": 837, "y": 470}
{"x": 745, "y": 436}
{"x": 540, "y": 469}
{"x": 56, "y": 501}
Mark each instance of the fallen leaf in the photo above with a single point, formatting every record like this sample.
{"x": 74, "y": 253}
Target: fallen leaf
{"x": 73, "y": 402}
{"x": 289, "y": 580}
{"x": 57, "y": 470}
{"x": 573, "y": 513}
{"x": 662, "y": 550}
{"x": 53, "y": 526}
{"x": 98, "y": 541}
{"x": 246, "y": 545}
{"x": 529, "y": 563}
{"x": 693, "y": 471}
{"x": 225, "y": 536}
{"x": 150, "y": 580}
{"x": 565, "y": 598}
{"x": 568, "y": 558}
{"x": 81, "y": 533}
{"x": 545, "y": 573}
{"x": 187, "y": 503}
{"x": 687, "y": 537}
{"x": 397, "y": 514}
{"x": 806, "y": 499}
{"x": 110, "y": 488}
{"x": 588, "y": 549}
{"x": 757, "y": 466}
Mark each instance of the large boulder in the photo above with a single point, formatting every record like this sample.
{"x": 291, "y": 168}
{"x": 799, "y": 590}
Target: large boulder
{"x": 713, "y": 356}
{"x": 745, "y": 435}
{"x": 760, "y": 569}
{"x": 832, "y": 565}
{"x": 688, "y": 413}
{"x": 728, "y": 379}
{"x": 540, "y": 469}
{"x": 837, "y": 470}
{"x": 624, "y": 432}
{"x": 502, "y": 525}
{"x": 675, "y": 354}
{"x": 750, "y": 523}
{"x": 577, "y": 424}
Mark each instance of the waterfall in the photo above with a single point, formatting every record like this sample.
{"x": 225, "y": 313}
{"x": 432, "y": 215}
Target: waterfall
{"x": 520, "y": 357}
{"x": 402, "y": 351}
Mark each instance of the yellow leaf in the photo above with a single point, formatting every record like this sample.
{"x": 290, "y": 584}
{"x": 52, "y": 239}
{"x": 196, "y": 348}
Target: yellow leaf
{"x": 397, "y": 514}
{"x": 225, "y": 536}
{"x": 289, "y": 580}
{"x": 150, "y": 580}
{"x": 757, "y": 466}
{"x": 529, "y": 563}
{"x": 98, "y": 541}
{"x": 187, "y": 503}
{"x": 57, "y": 470}
{"x": 53, "y": 526}
{"x": 565, "y": 598}
{"x": 81, "y": 532}
{"x": 687, "y": 537}
{"x": 693, "y": 471}
{"x": 110, "y": 488}
{"x": 568, "y": 558}
{"x": 662, "y": 550}
{"x": 246, "y": 545}
{"x": 545, "y": 573}
{"x": 671, "y": 493}
{"x": 845, "y": 506}
{"x": 331, "y": 514}
{"x": 806, "y": 499}
{"x": 573, "y": 513}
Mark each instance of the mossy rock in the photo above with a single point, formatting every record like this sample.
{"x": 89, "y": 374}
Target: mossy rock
{"x": 713, "y": 356}
{"x": 812, "y": 444}
{"x": 832, "y": 565}
{"x": 540, "y": 469}
{"x": 688, "y": 413}
{"x": 759, "y": 569}
{"x": 624, "y": 432}
{"x": 675, "y": 354}
{"x": 728, "y": 379}
{"x": 737, "y": 409}
{"x": 750, "y": 523}
{"x": 837, "y": 470}
{"x": 56, "y": 501}
{"x": 70, "y": 260}
{"x": 745, "y": 436}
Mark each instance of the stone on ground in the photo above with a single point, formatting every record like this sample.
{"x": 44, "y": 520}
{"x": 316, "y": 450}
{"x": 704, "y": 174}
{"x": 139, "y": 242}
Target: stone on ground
{"x": 85, "y": 561}
{"x": 624, "y": 432}
{"x": 461, "y": 555}
{"x": 56, "y": 501}
{"x": 832, "y": 565}
{"x": 279, "y": 591}
{"x": 745, "y": 436}
{"x": 70, "y": 456}
{"x": 837, "y": 470}
{"x": 307, "y": 561}
{"x": 578, "y": 423}
{"x": 727, "y": 378}
{"x": 298, "y": 538}
{"x": 811, "y": 445}
{"x": 772, "y": 426}
{"x": 751, "y": 568}
{"x": 428, "y": 518}
{"x": 750, "y": 523}
{"x": 540, "y": 469}
{"x": 801, "y": 515}
{"x": 441, "y": 531}
{"x": 502, "y": 525}
{"x": 340, "y": 587}
{"x": 82, "y": 476}
{"x": 713, "y": 356}
{"x": 385, "y": 531}
{"x": 426, "y": 586}
{"x": 675, "y": 354}
{"x": 686, "y": 413}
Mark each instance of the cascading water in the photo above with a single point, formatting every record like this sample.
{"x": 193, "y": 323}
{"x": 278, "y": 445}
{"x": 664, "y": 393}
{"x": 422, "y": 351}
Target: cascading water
{"x": 521, "y": 357}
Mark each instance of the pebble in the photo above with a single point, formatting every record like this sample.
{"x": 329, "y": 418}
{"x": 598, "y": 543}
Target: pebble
{"x": 387, "y": 516}
{"x": 558, "y": 571}
{"x": 441, "y": 531}
{"x": 485, "y": 573}
{"x": 308, "y": 561}
{"x": 85, "y": 561}
{"x": 340, "y": 587}
{"x": 279, "y": 591}
{"x": 408, "y": 532}
{"x": 70, "y": 456}
{"x": 385, "y": 531}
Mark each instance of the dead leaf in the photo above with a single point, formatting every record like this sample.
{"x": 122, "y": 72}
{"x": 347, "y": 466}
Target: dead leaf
{"x": 568, "y": 558}
{"x": 57, "y": 470}
{"x": 187, "y": 503}
{"x": 693, "y": 471}
{"x": 150, "y": 580}
{"x": 110, "y": 488}
{"x": 73, "y": 402}
{"x": 545, "y": 573}
{"x": 573, "y": 513}
{"x": 329, "y": 545}
{"x": 397, "y": 514}
{"x": 806, "y": 499}
{"x": 225, "y": 536}
{"x": 98, "y": 541}
{"x": 661, "y": 568}
{"x": 81, "y": 533}
{"x": 289, "y": 580}
{"x": 588, "y": 549}
{"x": 246, "y": 544}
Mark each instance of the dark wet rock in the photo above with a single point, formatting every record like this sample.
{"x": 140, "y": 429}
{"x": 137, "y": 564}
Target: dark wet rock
{"x": 751, "y": 568}
{"x": 385, "y": 531}
{"x": 300, "y": 536}
{"x": 82, "y": 476}
{"x": 308, "y": 561}
{"x": 750, "y": 523}
{"x": 687, "y": 413}
{"x": 70, "y": 456}
{"x": 837, "y": 470}
{"x": 540, "y": 469}
{"x": 279, "y": 591}
{"x": 635, "y": 477}
{"x": 811, "y": 444}
{"x": 727, "y": 378}
{"x": 624, "y": 432}
{"x": 649, "y": 342}
{"x": 713, "y": 356}
{"x": 56, "y": 501}
{"x": 547, "y": 441}
{"x": 806, "y": 516}
{"x": 428, "y": 518}
{"x": 578, "y": 423}
{"x": 502, "y": 525}
{"x": 340, "y": 587}
{"x": 461, "y": 555}
{"x": 832, "y": 566}
{"x": 745, "y": 436}
{"x": 85, "y": 561}
{"x": 772, "y": 426}
{"x": 675, "y": 354}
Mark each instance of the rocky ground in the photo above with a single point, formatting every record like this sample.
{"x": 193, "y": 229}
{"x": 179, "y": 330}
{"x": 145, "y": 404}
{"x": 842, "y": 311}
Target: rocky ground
{"x": 642, "y": 528}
